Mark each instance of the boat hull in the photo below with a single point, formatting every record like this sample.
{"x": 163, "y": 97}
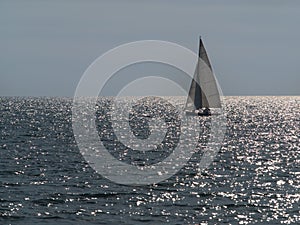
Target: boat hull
{"x": 188, "y": 113}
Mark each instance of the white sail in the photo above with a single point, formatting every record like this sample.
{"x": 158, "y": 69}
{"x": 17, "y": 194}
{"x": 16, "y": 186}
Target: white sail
{"x": 203, "y": 92}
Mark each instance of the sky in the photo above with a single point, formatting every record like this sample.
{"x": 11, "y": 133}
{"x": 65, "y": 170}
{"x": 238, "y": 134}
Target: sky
{"x": 45, "y": 46}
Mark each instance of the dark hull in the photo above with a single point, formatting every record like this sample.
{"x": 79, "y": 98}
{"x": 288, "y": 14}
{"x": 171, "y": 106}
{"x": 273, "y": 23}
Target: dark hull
{"x": 197, "y": 114}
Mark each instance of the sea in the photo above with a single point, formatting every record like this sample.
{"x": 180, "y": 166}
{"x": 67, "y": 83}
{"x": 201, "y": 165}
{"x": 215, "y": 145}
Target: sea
{"x": 253, "y": 179}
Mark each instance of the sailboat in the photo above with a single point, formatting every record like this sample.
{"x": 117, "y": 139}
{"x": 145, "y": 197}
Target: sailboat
{"x": 204, "y": 93}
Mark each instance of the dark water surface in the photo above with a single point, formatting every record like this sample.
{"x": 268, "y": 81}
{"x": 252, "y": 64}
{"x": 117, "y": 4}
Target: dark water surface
{"x": 255, "y": 178}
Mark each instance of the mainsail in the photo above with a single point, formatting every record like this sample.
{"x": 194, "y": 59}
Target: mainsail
{"x": 203, "y": 92}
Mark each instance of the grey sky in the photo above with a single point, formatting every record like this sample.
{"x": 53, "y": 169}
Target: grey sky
{"x": 45, "y": 46}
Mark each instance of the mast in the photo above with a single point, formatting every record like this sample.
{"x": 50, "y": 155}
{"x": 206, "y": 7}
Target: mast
{"x": 202, "y": 58}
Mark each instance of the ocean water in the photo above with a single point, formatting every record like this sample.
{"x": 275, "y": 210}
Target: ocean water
{"x": 254, "y": 179}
